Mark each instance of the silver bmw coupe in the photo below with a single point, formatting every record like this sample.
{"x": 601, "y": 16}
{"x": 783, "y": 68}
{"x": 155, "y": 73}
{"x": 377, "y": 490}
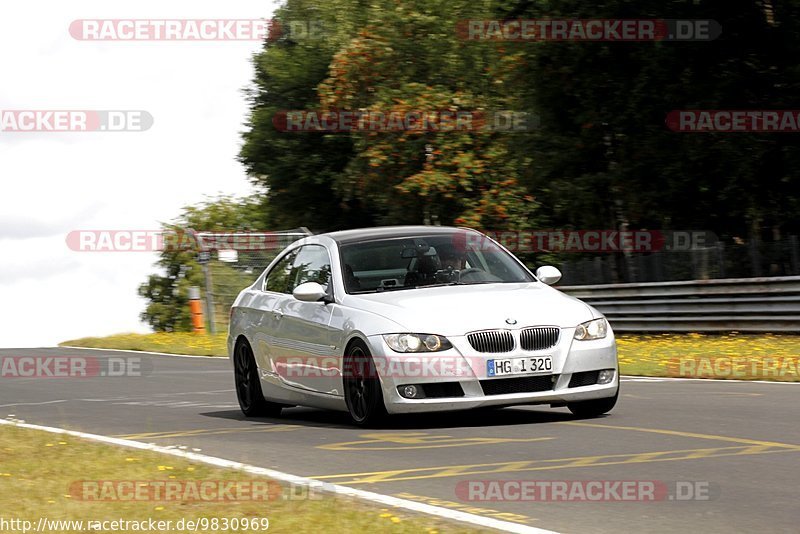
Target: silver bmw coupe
{"x": 415, "y": 319}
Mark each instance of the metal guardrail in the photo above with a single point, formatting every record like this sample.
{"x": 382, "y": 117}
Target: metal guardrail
{"x": 724, "y": 305}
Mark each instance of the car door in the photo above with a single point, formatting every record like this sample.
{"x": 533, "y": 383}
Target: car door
{"x": 305, "y": 338}
{"x": 265, "y": 319}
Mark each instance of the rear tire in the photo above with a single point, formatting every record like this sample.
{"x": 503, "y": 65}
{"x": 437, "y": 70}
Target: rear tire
{"x": 248, "y": 386}
{"x": 593, "y": 408}
{"x": 362, "y": 387}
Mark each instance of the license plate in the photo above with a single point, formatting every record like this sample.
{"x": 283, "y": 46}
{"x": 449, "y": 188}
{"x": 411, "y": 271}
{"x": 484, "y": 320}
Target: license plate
{"x": 520, "y": 366}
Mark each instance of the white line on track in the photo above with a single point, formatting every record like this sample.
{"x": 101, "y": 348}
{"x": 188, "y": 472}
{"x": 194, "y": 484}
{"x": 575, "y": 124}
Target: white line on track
{"x": 386, "y": 500}
{"x": 34, "y": 403}
{"x": 218, "y": 358}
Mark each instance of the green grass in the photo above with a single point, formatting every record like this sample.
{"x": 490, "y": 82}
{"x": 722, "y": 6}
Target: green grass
{"x": 38, "y": 470}
{"x": 169, "y": 342}
{"x": 729, "y": 356}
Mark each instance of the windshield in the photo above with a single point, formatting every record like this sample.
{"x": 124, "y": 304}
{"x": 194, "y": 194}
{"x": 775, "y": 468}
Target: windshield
{"x": 460, "y": 258}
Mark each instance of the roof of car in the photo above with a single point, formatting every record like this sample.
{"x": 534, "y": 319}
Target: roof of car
{"x": 387, "y": 232}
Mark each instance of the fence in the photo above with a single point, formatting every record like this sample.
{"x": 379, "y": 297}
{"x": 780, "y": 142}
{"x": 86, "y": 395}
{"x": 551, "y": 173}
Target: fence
{"x": 738, "y": 304}
{"x": 733, "y": 259}
{"x": 228, "y": 271}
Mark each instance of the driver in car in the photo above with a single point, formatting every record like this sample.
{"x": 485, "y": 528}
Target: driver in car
{"x": 451, "y": 260}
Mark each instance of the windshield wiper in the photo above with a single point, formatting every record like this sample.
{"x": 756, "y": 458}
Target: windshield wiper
{"x": 380, "y": 289}
{"x": 483, "y": 282}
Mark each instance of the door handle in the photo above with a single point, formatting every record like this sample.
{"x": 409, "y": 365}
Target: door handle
{"x": 278, "y": 314}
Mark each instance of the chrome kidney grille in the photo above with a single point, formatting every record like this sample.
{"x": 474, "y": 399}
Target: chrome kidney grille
{"x": 492, "y": 341}
{"x": 539, "y": 338}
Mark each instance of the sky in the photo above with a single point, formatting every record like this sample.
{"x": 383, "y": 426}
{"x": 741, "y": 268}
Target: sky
{"x": 55, "y": 183}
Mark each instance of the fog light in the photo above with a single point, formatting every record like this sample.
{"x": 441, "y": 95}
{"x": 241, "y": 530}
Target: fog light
{"x": 409, "y": 392}
{"x": 605, "y": 376}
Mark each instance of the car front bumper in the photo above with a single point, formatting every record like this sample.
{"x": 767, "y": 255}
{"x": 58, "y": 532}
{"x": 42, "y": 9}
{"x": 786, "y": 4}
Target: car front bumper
{"x": 575, "y": 363}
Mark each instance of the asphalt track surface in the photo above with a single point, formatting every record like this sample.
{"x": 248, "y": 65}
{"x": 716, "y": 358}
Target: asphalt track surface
{"x": 739, "y": 443}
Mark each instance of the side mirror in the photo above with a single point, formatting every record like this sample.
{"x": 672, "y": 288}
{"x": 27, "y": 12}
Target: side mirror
{"x": 309, "y": 292}
{"x": 547, "y": 274}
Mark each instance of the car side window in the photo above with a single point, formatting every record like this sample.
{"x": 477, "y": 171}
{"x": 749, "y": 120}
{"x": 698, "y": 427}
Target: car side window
{"x": 279, "y": 277}
{"x": 312, "y": 264}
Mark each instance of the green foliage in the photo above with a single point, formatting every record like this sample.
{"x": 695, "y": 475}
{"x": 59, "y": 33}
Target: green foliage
{"x": 602, "y": 157}
{"x": 369, "y": 59}
{"x": 298, "y": 170}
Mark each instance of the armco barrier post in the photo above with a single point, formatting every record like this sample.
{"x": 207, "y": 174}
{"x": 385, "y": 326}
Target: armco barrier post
{"x": 196, "y": 307}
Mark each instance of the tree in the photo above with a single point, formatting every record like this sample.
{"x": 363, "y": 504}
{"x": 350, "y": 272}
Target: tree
{"x": 297, "y": 170}
{"x": 340, "y": 180}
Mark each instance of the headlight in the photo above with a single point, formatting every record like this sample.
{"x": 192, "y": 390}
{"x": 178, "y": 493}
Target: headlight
{"x": 416, "y": 342}
{"x": 595, "y": 329}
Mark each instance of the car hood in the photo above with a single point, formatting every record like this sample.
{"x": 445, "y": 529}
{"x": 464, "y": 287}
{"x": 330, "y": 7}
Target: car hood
{"x": 456, "y": 310}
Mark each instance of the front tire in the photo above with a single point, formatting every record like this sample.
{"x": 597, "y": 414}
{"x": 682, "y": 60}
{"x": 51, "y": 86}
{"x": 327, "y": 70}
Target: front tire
{"x": 248, "y": 387}
{"x": 362, "y": 387}
{"x": 593, "y": 408}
